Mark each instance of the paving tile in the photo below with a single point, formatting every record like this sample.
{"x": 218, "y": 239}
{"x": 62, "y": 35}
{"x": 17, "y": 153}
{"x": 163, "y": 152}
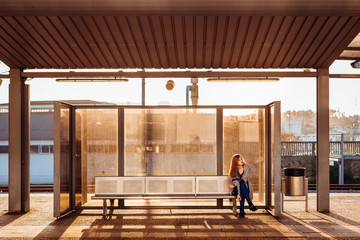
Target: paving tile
{"x": 300, "y": 238}
{"x": 352, "y": 234}
{"x": 196, "y": 227}
{"x": 166, "y": 235}
{"x": 214, "y": 227}
{"x": 170, "y": 227}
{"x": 306, "y": 229}
{"x": 245, "y": 234}
{"x": 281, "y": 228}
{"x": 353, "y": 228}
{"x": 272, "y": 228}
{"x": 337, "y": 234}
{"x": 317, "y": 235}
{"x": 71, "y": 235}
{"x": 283, "y": 234}
{"x": 237, "y": 226}
{"x": 239, "y": 238}
{"x": 127, "y": 235}
{"x": 126, "y": 227}
{"x": 206, "y": 234}
{"x": 346, "y": 229}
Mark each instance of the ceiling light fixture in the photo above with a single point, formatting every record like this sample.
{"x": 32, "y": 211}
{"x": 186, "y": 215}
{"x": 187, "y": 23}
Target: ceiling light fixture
{"x": 243, "y": 79}
{"x": 356, "y": 64}
{"x": 92, "y": 80}
{"x": 170, "y": 84}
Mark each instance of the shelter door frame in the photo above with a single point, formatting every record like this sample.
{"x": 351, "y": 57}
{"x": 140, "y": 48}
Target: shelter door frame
{"x": 66, "y": 177}
{"x": 273, "y": 163}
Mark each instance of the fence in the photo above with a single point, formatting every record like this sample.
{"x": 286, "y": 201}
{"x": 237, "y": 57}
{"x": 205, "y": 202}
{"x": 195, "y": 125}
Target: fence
{"x": 308, "y": 149}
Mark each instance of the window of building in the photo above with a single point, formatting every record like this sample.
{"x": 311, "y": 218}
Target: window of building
{"x": 45, "y": 149}
{"x": 4, "y": 149}
{"x": 41, "y": 110}
{"x": 4, "y": 110}
{"x": 34, "y": 149}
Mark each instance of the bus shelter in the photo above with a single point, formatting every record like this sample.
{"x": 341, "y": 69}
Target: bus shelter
{"x": 107, "y": 140}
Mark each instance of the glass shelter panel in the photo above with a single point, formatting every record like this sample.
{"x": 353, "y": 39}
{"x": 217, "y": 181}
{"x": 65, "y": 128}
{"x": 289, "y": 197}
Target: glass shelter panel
{"x": 65, "y": 157}
{"x": 244, "y": 131}
{"x": 272, "y": 141}
{"x": 170, "y": 141}
{"x": 97, "y": 130}
{"x": 77, "y": 163}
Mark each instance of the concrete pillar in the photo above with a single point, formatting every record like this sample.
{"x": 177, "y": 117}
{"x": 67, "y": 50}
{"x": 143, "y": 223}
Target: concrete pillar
{"x": 323, "y": 145}
{"x": 219, "y": 147}
{"x": 19, "y": 144}
{"x": 277, "y": 158}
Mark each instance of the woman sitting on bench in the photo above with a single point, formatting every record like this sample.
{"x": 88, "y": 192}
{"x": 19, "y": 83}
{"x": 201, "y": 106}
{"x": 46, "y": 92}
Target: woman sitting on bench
{"x": 239, "y": 174}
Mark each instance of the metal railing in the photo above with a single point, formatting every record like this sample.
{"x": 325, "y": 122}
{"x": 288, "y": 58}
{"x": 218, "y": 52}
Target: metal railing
{"x": 308, "y": 149}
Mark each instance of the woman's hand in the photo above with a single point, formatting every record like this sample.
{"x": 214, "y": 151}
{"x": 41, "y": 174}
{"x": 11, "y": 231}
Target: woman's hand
{"x": 238, "y": 198}
{"x": 231, "y": 186}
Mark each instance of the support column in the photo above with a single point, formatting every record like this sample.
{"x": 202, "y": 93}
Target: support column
{"x": 323, "y": 145}
{"x": 19, "y": 144}
{"x": 219, "y": 148}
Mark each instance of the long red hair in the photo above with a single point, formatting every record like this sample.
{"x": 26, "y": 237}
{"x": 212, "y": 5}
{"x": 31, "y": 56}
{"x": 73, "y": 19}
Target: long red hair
{"x": 234, "y": 165}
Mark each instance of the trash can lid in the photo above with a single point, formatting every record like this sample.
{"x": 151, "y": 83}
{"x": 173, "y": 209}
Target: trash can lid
{"x": 294, "y": 171}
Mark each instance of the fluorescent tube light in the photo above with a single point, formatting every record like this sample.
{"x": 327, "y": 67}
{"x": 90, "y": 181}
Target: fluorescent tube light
{"x": 242, "y": 79}
{"x": 92, "y": 80}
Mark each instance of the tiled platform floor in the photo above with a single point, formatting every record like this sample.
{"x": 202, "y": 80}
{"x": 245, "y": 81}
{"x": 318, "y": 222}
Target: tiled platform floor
{"x": 343, "y": 222}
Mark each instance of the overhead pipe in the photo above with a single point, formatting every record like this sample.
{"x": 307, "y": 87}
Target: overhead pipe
{"x": 188, "y": 88}
{"x": 194, "y": 88}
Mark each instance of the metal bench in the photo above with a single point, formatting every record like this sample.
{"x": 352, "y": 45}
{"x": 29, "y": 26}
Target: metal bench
{"x": 176, "y": 187}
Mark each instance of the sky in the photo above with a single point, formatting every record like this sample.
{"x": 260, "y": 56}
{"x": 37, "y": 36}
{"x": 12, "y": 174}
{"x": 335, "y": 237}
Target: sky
{"x": 294, "y": 93}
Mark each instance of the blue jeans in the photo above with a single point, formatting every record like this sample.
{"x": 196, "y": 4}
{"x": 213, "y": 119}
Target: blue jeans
{"x": 244, "y": 193}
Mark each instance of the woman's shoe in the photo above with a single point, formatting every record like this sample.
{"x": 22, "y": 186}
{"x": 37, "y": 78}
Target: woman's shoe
{"x": 253, "y": 208}
{"x": 242, "y": 213}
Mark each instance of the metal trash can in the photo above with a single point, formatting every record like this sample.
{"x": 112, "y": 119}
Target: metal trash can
{"x": 294, "y": 181}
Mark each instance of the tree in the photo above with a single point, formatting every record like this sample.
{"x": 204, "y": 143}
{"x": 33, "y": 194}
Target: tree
{"x": 285, "y": 137}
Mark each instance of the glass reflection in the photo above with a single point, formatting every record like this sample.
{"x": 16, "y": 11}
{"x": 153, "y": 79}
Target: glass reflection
{"x": 98, "y": 132}
{"x": 77, "y": 162}
{"x": 65, "y": 166}
{"x": 170, "y": 142}
{"x": 244, "y": 133}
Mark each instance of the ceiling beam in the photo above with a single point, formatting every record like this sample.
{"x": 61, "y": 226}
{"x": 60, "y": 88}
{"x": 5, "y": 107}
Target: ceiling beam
{"x": 347, "y": 58}
{"x": 352, "y": 49}
{"x": 344, "y": 75}
{"x": 165, "y": 74}
{"x": 181, "y": 7}
{"x": 189, "y": 74}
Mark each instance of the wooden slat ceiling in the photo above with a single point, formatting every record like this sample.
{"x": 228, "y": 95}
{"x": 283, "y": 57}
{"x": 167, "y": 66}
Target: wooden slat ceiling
{"x": 352, "y": 52}
{"x": 177, "y": 41}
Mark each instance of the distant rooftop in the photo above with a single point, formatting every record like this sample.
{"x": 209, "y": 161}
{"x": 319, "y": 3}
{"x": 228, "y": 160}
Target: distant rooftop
{"x": 73, "y": 102}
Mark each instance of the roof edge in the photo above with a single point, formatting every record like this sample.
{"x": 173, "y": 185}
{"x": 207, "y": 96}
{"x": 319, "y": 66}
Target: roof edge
{"x": 181, "y": 7}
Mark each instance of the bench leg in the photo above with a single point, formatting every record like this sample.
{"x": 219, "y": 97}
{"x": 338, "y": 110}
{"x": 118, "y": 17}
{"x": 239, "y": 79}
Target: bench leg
{"x": 121, "y": 203}
{"x": 234, "y": 206}
{"x": 104, "y": 207}
{"x": 219, "y": 203}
